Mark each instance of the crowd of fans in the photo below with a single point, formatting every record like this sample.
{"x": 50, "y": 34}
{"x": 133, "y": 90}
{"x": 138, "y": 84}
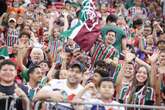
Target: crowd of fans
{"x": 125, "y": 64}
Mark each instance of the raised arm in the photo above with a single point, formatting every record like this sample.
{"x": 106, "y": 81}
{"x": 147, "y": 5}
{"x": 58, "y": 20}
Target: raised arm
{"x": 66, "y": 24}
{"x": 131, "y": 56}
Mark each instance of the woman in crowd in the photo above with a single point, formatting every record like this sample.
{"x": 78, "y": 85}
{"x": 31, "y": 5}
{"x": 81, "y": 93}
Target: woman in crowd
{"x": 139, "y": 91}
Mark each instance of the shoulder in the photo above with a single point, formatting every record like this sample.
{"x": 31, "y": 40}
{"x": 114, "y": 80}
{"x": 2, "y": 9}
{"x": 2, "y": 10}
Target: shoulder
{"x": 125, "y": 88}
{"x": 123, "y": 91}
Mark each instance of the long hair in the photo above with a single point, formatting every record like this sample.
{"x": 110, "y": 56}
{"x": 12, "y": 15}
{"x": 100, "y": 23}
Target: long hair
{"x": 135, "y": 85}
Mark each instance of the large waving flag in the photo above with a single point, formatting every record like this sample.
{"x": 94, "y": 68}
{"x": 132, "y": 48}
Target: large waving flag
{"x": 87, "y": 30}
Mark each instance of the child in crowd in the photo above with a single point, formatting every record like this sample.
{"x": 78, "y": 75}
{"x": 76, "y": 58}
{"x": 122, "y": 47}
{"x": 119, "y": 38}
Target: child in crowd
{"x": 105, "y": 93}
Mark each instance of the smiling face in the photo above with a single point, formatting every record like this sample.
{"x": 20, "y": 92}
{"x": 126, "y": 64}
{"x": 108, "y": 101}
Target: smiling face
{"x": 110, "y": 38}
{"x": 27, "y": 29}
{"x": 20, "y": 20}
{"x": 37, "y": 55}
{"x": 44, "y": 67}
{"x": 129, "y": 71}
{"x": 74, "y": 75}
{"x": 8, "y": 73}
{"x": 36, "y": 75}
{"x": 55, "y": 33}
{"x": 24, "y": 39}
{"x": 141, "y": 75}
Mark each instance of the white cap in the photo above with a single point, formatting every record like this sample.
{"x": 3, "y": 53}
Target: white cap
{"x": 12, "y": 19}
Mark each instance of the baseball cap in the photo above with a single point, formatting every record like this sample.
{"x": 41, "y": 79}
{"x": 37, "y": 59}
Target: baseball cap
{"x": 12, "y": 19}
{"x": 77, "y": 64}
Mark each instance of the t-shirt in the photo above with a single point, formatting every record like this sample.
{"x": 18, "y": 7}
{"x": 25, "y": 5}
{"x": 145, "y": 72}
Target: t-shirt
{"x": 67, "y": 93}
{"x": 102, "y": 52}
{"x": 98, "y": 101}
{"x": 120, "y": 34}
{"x": 61, "y": 85}
{"x": 31, "y": 92}
{"x": 142, "y": 96}
{"x": 12, "y": 36}
{"x": 10, "y": 90}
{"x": 53, "y": 45}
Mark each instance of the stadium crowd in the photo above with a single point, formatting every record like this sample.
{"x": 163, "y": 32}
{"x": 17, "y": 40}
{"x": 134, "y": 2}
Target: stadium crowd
{"x": 82, "y": 51}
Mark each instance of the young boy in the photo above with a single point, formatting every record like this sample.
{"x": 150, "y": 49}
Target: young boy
{"x": 105, "y": 96}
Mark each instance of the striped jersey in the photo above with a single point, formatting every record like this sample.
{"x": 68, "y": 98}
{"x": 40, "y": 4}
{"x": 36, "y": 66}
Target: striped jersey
{"x": 12, "y": 37}
{"x": 139, "y": 97}
{"x": 101, "y": 52}
{"x": 53, "y": 45}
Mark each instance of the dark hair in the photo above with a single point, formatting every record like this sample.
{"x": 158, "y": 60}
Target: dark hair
{"x": 76, "y": 65}
{"x": 45, "y": 61}
{"x": 111, "y": 31}
{"x": 7, "y": 62}
{"x": 131, "y": 63}
{"x": 135, "y": 84}
{"x": 108, "y": 79}
{"x": 111, "y": 18}
{"x": 137, "y": 22}
{"x": 131, "y": 47}
{"x": 2, "y": 57}
{"x": 102, "y": 73}
{"x": 31, "y": 70}
{"x": 100, "y": 63}
{"x": 24, "y": 33}
{"x": 67, "y": 2}
{"x": 57, "y": 74}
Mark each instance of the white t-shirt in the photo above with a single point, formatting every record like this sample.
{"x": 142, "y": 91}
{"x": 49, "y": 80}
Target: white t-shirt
{"x": 98, "y": 101}
{"x": 61, "y": 85}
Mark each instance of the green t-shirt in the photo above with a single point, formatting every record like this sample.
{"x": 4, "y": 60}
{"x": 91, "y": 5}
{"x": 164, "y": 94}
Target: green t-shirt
{"x": 24, "y": 75}
{"x": 120, "y": 34}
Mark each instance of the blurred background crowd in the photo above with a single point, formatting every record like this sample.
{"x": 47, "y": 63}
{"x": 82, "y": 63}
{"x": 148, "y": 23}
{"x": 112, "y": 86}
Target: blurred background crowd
{"x": 100, "y": 51}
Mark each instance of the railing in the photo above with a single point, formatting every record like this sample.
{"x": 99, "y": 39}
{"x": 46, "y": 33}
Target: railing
{"x": 75, "y": 105}
{"x": 125, "y": 106}
{"x": 11, "y": 105}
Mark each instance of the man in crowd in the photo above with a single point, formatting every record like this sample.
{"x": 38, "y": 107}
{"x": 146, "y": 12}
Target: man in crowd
{"x": 63, "y": 90}
{"x": 10, "y": 88}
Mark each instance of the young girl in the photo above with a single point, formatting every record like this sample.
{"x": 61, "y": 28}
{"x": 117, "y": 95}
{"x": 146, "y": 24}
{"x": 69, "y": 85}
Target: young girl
{"x": 138, "y": 92}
